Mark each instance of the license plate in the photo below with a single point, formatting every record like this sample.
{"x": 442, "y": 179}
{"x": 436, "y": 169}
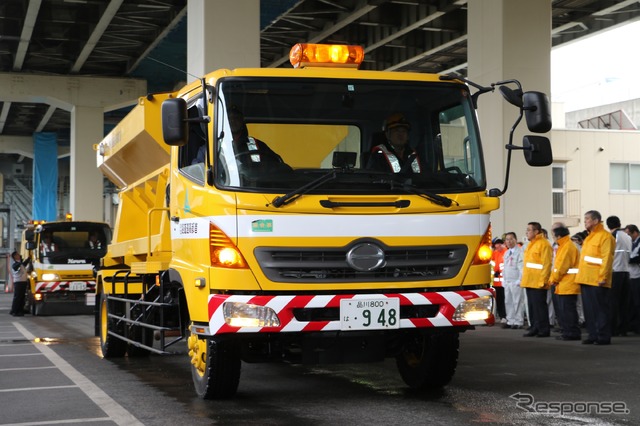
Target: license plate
{"x": 369, "y": 314}
{"x": 77, "y": 286}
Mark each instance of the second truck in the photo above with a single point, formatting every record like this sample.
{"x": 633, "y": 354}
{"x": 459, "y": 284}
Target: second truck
{"x": 64, "y": 255}
{"x": 263, "y": 217}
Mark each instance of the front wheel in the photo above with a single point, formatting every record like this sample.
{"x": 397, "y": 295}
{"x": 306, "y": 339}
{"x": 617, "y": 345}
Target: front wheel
{"x": 428, "y": 361}
{"x": 30, "y": 303}
{"x": 215, "y": 367}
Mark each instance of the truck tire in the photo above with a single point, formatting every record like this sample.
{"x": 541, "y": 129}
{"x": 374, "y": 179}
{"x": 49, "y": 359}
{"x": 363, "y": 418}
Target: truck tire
{"x": 215, "y": 367}
{"x": 37, "y": 309}
{"x": 111, "y": 346}
{"x": 29, "y": 302}
{"x": 428, "y": 362}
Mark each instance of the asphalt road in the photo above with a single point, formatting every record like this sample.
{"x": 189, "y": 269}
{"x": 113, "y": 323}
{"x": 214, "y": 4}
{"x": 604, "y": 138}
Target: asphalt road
{"x": 52, "y": 372}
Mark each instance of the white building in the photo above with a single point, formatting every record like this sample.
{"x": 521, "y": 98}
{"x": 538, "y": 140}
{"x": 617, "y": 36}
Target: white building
{"x": 595, "y": 169}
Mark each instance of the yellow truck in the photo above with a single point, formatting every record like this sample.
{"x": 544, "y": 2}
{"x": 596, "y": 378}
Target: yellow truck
{"x": 271, "y": 215}
{"x": 64, "y": 256}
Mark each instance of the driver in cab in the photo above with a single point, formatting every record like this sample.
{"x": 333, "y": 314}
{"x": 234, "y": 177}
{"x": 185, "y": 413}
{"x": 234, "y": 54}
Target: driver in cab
{"x": 395, "y": 155}
{"x": 248, "y": 150}
{"x": 47, "y": 245}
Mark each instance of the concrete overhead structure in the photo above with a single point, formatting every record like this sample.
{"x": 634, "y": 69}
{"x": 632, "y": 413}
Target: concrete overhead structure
{"x": 87, "y": 98}
{"x": 511, "y": 39}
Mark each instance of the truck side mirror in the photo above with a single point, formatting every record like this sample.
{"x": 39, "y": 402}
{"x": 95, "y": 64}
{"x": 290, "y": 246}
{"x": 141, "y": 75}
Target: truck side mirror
{"x": 537, "y": 150}
{"x": 514, "y": 97}
{"x": 537, "y": 111}
{"x": 175, "y": 128}
{"x": 30, "y": 245}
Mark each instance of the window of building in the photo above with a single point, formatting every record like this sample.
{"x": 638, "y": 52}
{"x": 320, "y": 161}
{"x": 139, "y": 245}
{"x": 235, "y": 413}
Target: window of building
{"x": 559, "y": 189}
{"x": 624, "y": 177}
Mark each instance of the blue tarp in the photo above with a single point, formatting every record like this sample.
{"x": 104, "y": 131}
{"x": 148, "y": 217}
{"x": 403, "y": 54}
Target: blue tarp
{"x": 45, "y": 176}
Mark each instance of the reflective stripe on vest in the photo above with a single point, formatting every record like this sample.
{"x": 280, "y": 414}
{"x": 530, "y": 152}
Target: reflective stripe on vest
{"x": 395, "y": 163}
{"x": 533, "y": 265}
{"x": 594, "y": 260}
{"x": 252, "y": 146}
{"x": 46, "y": 249}
{"x": 569, "y": 271}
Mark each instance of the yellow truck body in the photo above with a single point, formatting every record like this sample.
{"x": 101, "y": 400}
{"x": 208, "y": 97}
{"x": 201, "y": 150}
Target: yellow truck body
{"x": 288, "y": 238}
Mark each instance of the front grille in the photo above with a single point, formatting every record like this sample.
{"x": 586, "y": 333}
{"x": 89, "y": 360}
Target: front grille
{"x": 310, "y": 265}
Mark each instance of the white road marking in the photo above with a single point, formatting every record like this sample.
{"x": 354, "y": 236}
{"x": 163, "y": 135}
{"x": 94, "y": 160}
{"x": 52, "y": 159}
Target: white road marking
{"x": 115, "y": 411}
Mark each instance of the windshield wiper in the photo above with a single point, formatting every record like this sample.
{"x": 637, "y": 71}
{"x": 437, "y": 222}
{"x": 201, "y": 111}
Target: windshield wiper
{"x": 291, "y": 196}
{"x": 438, "y": 199}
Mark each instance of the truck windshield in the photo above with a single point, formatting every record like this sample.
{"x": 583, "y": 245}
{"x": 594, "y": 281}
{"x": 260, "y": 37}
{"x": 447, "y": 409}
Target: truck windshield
{"x": 72, "y": 243}
{"x": 275, "y": 135}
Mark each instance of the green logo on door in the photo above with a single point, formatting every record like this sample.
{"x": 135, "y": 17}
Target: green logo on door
{"x": 262, "y": 225}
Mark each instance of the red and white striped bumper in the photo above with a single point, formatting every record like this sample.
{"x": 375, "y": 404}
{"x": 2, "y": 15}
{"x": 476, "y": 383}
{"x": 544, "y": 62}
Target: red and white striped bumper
{"x": 284, "y": 306}
{"x": 52, "y": 286}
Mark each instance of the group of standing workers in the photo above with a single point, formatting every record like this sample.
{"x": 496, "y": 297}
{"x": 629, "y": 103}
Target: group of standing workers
{"x": 599, "y": 269}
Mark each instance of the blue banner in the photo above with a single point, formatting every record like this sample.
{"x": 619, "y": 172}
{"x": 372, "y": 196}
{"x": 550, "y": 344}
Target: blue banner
{"x": 45, "y": 176}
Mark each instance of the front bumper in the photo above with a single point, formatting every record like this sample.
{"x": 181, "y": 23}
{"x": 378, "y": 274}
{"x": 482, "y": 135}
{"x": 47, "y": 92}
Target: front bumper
{"x": 313, "y": 313}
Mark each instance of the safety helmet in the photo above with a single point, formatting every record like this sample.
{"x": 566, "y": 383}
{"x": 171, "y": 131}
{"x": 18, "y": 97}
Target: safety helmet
{"x": 395, "y": 120}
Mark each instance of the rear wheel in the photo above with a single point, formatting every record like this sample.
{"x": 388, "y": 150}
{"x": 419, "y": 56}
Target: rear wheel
{"x": 427, "y": 361}
{"x": 111, "y": 346}
{"x": 215, "y": 367}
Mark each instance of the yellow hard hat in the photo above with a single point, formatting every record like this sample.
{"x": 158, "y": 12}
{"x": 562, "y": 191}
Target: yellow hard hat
{"x": 395, "y": 120}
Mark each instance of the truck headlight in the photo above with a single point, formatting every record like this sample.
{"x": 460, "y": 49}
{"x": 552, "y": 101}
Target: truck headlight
{"x": 238, "y": 314}
{"x": 477, "y": 309}
{"x": 50, "y": 277}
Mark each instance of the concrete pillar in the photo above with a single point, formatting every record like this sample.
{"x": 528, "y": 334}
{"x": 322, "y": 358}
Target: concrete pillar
{"x": 87, "y": 129}
{"x": 511, "y": 39}
{"x": 222, "y": 34}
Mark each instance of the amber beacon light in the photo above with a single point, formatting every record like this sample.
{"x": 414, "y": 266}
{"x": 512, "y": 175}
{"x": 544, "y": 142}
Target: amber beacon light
{"x": 326, "y": 55}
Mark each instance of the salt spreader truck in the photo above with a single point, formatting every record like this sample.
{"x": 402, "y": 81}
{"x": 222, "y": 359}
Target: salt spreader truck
{"x": 64, "y": 255}
{"x": 275, "y": 240}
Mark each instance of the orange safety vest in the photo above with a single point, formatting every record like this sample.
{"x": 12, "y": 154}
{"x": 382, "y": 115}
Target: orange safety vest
{"x": 393, "y": 161}
{"x": 537, "y": 264}
{"x": 497, "y": 263}
{"x": 565, "y": 267}
{"x": 596, "y": 258}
